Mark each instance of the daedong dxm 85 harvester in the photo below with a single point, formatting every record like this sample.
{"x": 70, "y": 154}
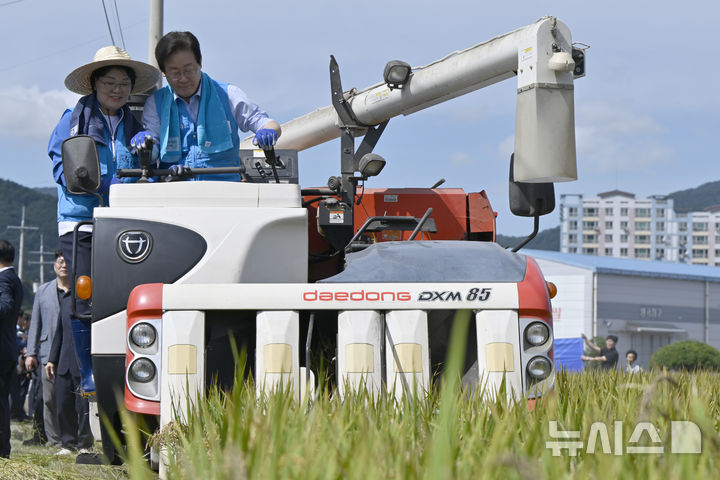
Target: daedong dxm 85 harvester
{"x": 182, "y": 267}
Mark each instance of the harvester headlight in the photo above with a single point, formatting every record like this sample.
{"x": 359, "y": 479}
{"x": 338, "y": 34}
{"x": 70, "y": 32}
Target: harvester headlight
{"x": 539, "y": 368}
{"x": 142, "y": 370}
{"x": 371, "y": 164}
{"x": 396, "y": 73}
{"x": 143, "y": 335}
{"x": 537, "y": 333}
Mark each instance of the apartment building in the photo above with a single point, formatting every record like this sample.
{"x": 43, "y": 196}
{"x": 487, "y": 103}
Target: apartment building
{"x": 617, "y": 224}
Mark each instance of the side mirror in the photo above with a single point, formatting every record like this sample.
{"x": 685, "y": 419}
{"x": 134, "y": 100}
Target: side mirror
{"x": 81, "y": 165}
{"x": 530, "y": 199}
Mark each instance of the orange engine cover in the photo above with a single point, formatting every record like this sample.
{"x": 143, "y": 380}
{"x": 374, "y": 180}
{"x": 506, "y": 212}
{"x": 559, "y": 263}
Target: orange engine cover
{"x": 449, "y": 210}
{"x": 457, "y": 216}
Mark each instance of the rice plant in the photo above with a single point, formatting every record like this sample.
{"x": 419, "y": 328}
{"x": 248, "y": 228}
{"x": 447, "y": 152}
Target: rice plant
{"x": 447, "y": 433}
{"x": 451, "y": 433}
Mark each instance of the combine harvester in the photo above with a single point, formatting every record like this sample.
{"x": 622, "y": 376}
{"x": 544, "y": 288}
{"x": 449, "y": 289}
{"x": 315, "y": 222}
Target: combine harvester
{"x": 180, "y": 268}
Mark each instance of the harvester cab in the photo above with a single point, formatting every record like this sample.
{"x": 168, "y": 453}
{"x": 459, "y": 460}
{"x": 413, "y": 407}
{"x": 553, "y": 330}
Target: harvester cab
{"x": 367, "y": 279}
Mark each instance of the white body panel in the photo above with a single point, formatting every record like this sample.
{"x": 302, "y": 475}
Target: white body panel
{"x": 179, "y": 391}
{"x": 244, "y": 241}
{"x": 205, "y": 194}
{"x": 338, "y": 296}
{"x": 254, "y": 232}
{"x": 277, "y": 363}
{"x": 106, "y": 334}
{"x": 498, "y": 347}
{"x": 408, "y": 330}
{"x": 359, "y": 347}
{"x": 183, "y": 374}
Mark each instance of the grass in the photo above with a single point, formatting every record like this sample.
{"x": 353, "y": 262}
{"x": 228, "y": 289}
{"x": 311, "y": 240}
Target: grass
{"x": 449, "y": 433}
{"x": 41, "y": 463}
{"x": 444, "y": 434}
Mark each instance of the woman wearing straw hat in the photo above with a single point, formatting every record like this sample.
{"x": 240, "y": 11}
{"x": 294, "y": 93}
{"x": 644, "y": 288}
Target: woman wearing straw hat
{"x": 106, "y": 84}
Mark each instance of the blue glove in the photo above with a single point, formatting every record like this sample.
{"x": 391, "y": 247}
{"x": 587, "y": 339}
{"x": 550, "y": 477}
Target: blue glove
{"x": 179, "y": 170}
{"x": 265, "y": 138}
{"x": 142, "y": 140}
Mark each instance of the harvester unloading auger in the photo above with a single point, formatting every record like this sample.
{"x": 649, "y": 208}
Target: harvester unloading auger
{"x": 281, "y": 271}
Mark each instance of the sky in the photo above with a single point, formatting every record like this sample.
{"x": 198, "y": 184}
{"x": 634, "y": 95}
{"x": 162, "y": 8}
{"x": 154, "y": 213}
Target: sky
{"x": 646, "y": 114}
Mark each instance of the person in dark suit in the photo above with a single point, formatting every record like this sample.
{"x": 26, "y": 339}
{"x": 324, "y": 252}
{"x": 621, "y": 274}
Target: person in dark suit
{"x": 43, "y": 325}
{"x": 63, "y": 367}
{"x": 11, "y": 294}
{"x": 21, "y": 381}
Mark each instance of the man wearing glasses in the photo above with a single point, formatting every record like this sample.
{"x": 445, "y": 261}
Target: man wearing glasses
{"x": 194, "y": 120}
{"x": 43, "y": 325}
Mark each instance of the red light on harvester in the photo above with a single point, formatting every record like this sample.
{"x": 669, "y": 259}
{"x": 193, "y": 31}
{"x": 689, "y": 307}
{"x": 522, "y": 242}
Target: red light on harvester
{"x": 83, "y": 287}
{"x": 552, "y": 289}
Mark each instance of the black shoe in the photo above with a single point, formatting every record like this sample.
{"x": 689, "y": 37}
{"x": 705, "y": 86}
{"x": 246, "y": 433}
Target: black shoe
{"x": 33, "y": 441}
{"x": 89, "y": 458}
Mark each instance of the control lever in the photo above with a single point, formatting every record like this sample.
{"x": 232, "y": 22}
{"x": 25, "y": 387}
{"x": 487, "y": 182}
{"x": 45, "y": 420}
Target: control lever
{"x": 261, "y": 171}
{"x": 145, "y": 152}
{"x": 272, "y": 160}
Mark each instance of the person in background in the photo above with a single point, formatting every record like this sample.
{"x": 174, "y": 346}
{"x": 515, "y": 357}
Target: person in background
{"x": 35, "y": 407}
{"x": 194, "y": 120}
{"x": 106, "y": 84}
{"x": 11, "y": 295}
{"x": 43, "y": 325}
{"x": 608, "y": 355}
{"x": 63, "y": 368}
{"x": 630, "y": 365}
{"x": 21, "y": 381}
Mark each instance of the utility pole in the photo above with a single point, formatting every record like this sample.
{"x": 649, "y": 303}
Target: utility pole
{"x": 42, "y": 262}
{"x": 22, "y": 229}
{"x": 156, "y": 32}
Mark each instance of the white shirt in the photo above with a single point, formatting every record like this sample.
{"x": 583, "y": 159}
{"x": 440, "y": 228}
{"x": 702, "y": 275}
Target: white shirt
{"x": 633, "y": 368}
{"x": 247, "y": 114}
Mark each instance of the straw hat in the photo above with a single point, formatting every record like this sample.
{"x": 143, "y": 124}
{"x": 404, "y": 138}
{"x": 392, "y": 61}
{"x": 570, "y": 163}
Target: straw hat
{"x": 79, "y": 79}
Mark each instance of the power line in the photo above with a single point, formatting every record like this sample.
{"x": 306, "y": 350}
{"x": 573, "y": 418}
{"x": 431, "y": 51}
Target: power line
{"x": 51, "y": 54}
{"x": 108, "y": 23}
{"x": 117, "y": 16}
{"x": 10, "y": 3}
{"x": 61, "y": 51}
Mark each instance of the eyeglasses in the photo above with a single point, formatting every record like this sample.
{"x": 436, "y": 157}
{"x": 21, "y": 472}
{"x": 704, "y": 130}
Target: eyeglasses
{"x": 110, "y": 86}
{"x": 177, "y": 75}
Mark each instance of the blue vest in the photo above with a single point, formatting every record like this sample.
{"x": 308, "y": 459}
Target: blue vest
{"x": 192, "y": 156}
{"x": 78, "y": 208}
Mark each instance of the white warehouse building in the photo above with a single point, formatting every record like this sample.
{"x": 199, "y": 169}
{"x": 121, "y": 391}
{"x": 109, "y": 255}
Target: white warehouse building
{"x": 646, "y": 304}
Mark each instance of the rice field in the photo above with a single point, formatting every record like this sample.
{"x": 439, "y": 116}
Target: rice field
{"x": 447, "y": 433}
{"x": 453, "y": 434}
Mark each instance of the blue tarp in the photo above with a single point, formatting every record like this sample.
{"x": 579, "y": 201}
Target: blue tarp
{"x": 568, "y": 352}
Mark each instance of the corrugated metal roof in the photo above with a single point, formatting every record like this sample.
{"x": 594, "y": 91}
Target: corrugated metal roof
{"x": 629, "y": 266}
